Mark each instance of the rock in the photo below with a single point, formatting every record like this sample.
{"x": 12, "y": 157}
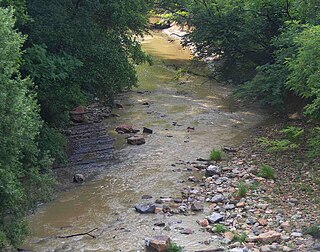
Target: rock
{"x": 215, "y": 217}
{"x": 160, "y": 224}
{"x": 136, "y": 140}
{"x": 229, "y": 206}
{"x": 186, "y": 231}
{"x": 269, "y": 236}
{"x": 145, "y": 208}
{"x": 78, "y": 114}
{"x": 78, "y": 178}
{"x": 196, "y": 207}
{"x": 147, "y": 130}
{"x": 125, "y": 128}
{"x": 146, "y": 197}
{"x": 229, "y": 236}
{"x": 203, "y": 223}
{"x": 119, "y": 105}
{"x": 158, "y": 244}
{"x": 240, "y": 204}
{"x": 263, "y": 222}
{"x": 217, "y": 198}
{"x": 239, "y": 250}
{"x": 285, "y": 225}
{"x": 296, "y": 234}
{"x": 212, "y": 170}
{"x": 265, "y": 249}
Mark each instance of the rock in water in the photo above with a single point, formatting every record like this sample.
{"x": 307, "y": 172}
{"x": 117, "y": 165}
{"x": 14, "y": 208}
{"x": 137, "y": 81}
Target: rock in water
{"x": 136, "y": 140}
{"x": 78, "y": 114}
{"x": 212, "y": 170}
{"x": 78, "y": 178}
{"x": 158, "y": 244}
{"x": 147, "y": 130}
{"x": 215, "y": 217}
{"x": 145, "y": 208}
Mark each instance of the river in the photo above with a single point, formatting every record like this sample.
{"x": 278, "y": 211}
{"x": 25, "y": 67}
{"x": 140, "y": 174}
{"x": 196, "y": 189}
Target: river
{"x": 168, "y": 106}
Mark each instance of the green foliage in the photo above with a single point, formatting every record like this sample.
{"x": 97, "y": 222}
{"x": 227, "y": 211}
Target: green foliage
{"x": 240, "y": 238}
{"x": 313, "y": 230}
{"x": 313, "y": 143}
{"x": 22, "y": 185}
{"x": 277, "y": 145}
{"x": 173, "y": 247}
{"x": 242, "y": 189}
{"x": 219, "y": 228}
{"x": 215, "y": 155}
{"x": 294, "y": 134}
{"x": 266, "y": 172}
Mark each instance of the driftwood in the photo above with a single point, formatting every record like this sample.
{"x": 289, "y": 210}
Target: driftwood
{"x": 79, "y": 234}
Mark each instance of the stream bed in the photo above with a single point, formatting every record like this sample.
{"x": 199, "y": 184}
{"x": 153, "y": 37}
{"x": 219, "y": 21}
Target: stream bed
{"x": 168, "y": 106}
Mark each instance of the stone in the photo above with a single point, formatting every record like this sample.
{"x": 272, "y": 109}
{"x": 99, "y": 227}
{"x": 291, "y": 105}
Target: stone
{"x": 78, "y": 114}
{"x": 212, "y": 170}
{"x": 145, "y": 208}
{"x": 196, "y": 207}
{"x": 229, "y": 206}
{"x": 146, "y": 197}
{"x": 239, "y": 250}
{"x": 203, "y": 223}
{"x": 296, "y": 234}
{"x": 269, "y": 236}
{"x": 217, "y": 198}
{"x": 229, "y": 236}
{"x": 285, "y": 225}
{"x": 215, "y": 218}
{"x": 158, "y": 244}
{"x": 263, "y": 222}
{"x": 265, "y": 249}
{"x": 240, "y": 204}
{"x": 186, "y": 231}
{"x": 78, "y": 178}
{"x": 136, "y": 140}
{"x": 124, "y": 129}
{"x": 147, "y": 130}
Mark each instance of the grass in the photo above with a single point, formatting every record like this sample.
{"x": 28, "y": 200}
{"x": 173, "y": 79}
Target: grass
{"x": 242, "y": 189}
{"x": 215, "y": 155}
{"x": 313, "y": 230}
{"x": 174, "y": 247}
{"x": 219, "y": 228}
{"x": 266, "y": 172}
{"x": 240, "y": 238}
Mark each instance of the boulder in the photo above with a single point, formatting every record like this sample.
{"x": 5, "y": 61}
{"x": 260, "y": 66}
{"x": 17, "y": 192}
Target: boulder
{"x": 78, "y": 114}
{"x": 212, "y": 170}
{"x": 125, "y": 128}
{"x": 215, "y": 218}
{"x": 147, "y": 130}
{"x": 270, "y": 236}
{"x": 196, "y": 207}
{"x": 158, "y": 244}
{"x": 145, "y": 208}
{"x": 78, "y": 178}
{"x": 218, "y": 198}
{"x": 136, "y": 140}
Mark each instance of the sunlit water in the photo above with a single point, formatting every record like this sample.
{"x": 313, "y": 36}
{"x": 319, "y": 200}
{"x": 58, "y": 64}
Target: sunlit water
{"x": 107, "y": 203}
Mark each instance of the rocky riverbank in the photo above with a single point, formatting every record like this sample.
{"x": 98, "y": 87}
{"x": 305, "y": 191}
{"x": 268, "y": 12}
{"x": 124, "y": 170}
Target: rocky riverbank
{"x": 245, "y": 211}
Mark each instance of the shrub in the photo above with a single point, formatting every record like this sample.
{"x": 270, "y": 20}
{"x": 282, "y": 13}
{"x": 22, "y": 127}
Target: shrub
{"x": 219, "y": 228}
{"x": 215, "y": 155}
{"x": 240, "y": 238}
{"x": 277, "y": 145}
{"x": 313, "y": 230}
{"x": 174, "y": 247}
{"x": 313, "y": 143}
{"x": 242, "y": 189}
{"x": 294, "y": 134}
{"x": 266, "y": 172}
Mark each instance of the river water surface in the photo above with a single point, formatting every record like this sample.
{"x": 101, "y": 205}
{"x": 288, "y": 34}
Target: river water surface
{"x": 107, "y": 202}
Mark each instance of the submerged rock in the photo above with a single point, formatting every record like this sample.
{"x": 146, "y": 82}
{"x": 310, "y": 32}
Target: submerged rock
{"x": 136, "y": 140}
{"x": 78, "y": 178}
{"x": 145, "y": 208}
{"x": 158, "y": 243}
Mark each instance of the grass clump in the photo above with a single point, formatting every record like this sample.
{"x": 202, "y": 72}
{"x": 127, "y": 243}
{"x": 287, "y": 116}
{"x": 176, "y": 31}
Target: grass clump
{"x": 266, "y": 172}
{"x": 240, "y": 237}
{"x": 242, "y": 189}
{"x": 313, "y": 230}
{"x": 215, "y": 155}
{"x": 219, "y": 228}
{"x": 173, "y": 247}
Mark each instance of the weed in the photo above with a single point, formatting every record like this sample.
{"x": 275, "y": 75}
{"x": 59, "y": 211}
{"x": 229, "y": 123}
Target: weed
{"x": 219, "y": 228}
{"x": 173, "y": 247}
{"x": 277, "y": 145}
{"x": 313, "y": 230}
{"x": 294, "y": 134}
{"x": 266, "y": 172}
{"x": 215, "y": 155}
{"x": 242, "y": 189}
{"x": 240, "y": 238}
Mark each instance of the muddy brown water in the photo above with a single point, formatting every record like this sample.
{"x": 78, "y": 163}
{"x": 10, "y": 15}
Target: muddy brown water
{"x": 107, "y": 202}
